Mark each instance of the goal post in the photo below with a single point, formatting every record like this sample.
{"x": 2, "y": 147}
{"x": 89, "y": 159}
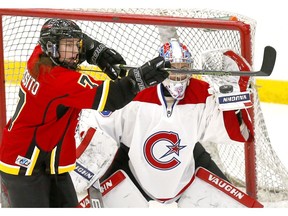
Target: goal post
{"x": 135, "y": 34}
{"x": 2, "y": 83}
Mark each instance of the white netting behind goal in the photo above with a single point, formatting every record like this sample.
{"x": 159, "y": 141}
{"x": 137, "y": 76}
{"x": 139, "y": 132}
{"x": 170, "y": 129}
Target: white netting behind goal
{"x": 138, "y": 37}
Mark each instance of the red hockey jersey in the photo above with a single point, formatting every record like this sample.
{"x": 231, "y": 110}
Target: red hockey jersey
{"x": 41, "y": 131}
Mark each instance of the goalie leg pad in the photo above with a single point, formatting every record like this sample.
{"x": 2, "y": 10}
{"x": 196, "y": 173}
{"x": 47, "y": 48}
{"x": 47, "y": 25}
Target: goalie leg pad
{"x": 210, "y": 191}
{"x": 83, "y": 199}
{"x": 95, "y": 153}
{"x": 120, "y": 192}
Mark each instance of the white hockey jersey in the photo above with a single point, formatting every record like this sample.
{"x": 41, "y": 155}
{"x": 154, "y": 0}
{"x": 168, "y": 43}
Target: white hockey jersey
{"x": 161, "y": 139}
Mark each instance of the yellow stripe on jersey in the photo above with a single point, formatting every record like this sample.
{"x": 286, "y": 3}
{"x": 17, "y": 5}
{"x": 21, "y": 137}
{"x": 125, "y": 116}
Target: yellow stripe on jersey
{"x": 34, "y": 158}
{"x": 64, "y": 169}
{"x": 61, "y": 169}
{"x": 105, "y": 91}
{"x": 6, "y": 168}
{"x": 52, "y": 160}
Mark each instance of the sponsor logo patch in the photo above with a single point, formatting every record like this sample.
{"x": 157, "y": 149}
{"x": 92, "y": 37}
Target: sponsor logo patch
{"x": 22, "y": 161}
{"x": 84, "y": 172}
{"x": 234, "y": 98}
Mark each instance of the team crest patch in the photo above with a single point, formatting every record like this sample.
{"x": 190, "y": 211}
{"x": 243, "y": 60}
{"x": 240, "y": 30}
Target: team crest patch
{"x": 172, "y": 147}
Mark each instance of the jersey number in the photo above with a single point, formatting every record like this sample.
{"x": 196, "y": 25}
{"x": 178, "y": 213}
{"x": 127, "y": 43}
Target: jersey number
{"x": 20, "y": 105}
{"x": 85, "y": 80}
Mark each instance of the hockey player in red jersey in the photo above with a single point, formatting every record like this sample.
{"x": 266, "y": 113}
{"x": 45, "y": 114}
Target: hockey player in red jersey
{"x": 38, "y": 147}
{"x": 159, "y": 134}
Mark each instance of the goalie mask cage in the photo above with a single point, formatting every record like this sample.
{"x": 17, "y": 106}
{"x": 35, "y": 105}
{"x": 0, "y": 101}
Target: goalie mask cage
{"x": 137, "y": 34}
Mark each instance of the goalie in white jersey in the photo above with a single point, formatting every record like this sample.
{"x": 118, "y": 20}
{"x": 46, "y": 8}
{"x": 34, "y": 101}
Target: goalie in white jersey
{"x": 159, "y": 135}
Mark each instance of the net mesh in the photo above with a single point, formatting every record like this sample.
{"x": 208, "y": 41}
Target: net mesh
{"x": 138, "y": 43}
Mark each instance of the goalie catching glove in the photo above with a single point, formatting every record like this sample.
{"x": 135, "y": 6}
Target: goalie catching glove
{"x": 148, "y": 74}
{"x": 231, "y": 92}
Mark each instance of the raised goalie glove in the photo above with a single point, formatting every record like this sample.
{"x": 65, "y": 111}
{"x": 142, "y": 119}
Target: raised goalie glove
{"x": 231, "y": 92}
{"x": 148, "y": 74}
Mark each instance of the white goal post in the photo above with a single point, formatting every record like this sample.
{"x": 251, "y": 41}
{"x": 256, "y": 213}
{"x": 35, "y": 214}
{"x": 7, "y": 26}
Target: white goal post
{"x": 135, "y": 34}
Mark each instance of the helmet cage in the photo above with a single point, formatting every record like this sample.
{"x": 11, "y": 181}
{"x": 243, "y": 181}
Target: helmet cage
{"x": 177, "y": 54}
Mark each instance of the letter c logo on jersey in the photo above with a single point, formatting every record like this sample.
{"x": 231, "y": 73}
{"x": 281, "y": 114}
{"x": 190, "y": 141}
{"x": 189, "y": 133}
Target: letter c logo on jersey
{"x": 159, "y": 149}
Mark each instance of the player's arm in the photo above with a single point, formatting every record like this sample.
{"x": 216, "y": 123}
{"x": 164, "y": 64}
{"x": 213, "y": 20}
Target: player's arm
{"x": 83, "y": 92}
{"x": 114, "y": 95}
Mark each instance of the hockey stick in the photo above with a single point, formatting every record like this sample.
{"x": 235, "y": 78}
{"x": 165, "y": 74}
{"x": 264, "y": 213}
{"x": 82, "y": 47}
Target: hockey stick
{"x": 95, "y": 195}
{"x": 268, "y": 63}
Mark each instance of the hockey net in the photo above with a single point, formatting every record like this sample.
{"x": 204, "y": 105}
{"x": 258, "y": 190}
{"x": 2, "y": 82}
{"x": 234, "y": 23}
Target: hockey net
{"x": 137, "y": 34}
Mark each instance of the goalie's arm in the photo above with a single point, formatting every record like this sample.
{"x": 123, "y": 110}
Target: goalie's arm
{"x": 219, "y": 126}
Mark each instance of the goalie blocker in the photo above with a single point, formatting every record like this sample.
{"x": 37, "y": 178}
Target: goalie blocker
{"x": 207, "y": 190}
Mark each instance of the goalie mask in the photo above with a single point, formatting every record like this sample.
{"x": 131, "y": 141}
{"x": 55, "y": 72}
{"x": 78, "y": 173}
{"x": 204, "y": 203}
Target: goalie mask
{"x": 179, "y": 57}
{"x": 52, "y": 32}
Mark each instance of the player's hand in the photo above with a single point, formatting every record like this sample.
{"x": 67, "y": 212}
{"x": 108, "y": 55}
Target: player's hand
{"x": 98, "y": 54}
{"x": 148, "y": 74}
{"x": 106, "y": 61}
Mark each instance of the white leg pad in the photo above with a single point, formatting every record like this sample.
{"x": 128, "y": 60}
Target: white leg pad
{"x": 210, "y": 191}
{"x": 83, "y": 199}
{"x": 120, "y": 192}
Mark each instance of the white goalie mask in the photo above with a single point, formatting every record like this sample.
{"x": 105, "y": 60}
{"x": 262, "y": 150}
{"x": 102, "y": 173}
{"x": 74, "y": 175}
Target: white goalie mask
{"x": 179, "y": 57}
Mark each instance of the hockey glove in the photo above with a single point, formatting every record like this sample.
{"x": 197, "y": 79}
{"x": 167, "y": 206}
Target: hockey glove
{"x": 98, "y": 54}
{"x": 148, "y": 74}
{"x": 106, "y": 61}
